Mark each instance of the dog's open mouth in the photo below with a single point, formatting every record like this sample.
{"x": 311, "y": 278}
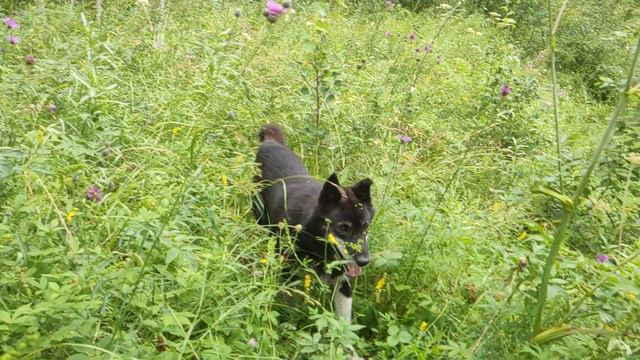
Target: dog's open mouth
{"x": 353, "y": 270}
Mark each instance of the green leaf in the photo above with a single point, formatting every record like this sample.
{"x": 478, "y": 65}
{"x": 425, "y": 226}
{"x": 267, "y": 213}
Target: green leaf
{"x": 172, "y": 254}
{"x": 5, "y": 316}
{"x": 566, "y": 201}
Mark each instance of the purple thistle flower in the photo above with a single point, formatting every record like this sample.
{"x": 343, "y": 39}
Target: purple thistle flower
{"x": 389, "y": 4}
{"x": 505, "y": 90}
{"x": 94, "y": 194}
{"x": 51, "y": 108}
{"x": 274, "y": 8}
{"x": 412, "y": 36}
{"x": 404, "y": 139}
{"x": 388, "y": 34}
{"x": 30, "y": 60}
{"x": 11, "y": 23}
{"x": 602, "y": 258}
{"x": 12, "y": 39}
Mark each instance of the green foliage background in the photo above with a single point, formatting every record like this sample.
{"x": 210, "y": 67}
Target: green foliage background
{"x": 158, "y": 103}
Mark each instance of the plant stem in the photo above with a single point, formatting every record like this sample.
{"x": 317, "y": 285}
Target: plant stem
{"x": 561, "y": 232}
{"x": 553, "y": 28}
{"x": 623, "y": 210}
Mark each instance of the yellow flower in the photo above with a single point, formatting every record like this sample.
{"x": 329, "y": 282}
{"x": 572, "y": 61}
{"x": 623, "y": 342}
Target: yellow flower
{"x": 175, "y": 130}
{"x": 631, "y": 295}
{"x": 523, "y": 235}
{"x": 307, "y": 282}
{"x": 496, "y": 206}
{"x": 264, "y": 261}
{"x": 380, "y": 284}
{"x": 39, "y": 136}
{"x": 332, "y": 239}
{"x": 225, "y": 180}
{"x": 423, "y": 326}
{"x": 71, "y": 214}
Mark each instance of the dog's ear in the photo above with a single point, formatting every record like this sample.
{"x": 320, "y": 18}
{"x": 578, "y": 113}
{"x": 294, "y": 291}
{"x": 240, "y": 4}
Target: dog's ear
{"x": 363, "y": 190}
{"x": 331, "y": 192}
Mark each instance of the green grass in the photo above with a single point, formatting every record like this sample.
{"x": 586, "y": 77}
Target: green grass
{"x": 160, "y": 108}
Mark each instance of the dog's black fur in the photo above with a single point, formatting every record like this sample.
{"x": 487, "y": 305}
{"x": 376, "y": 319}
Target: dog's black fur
{"x": 290, "y": 194}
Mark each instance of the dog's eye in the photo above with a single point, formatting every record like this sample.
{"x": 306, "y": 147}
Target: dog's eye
{"x": 344, "y": 228}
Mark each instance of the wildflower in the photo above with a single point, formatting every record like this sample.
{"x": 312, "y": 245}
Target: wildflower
{"x": 11, "y": 23}
{"x": 51, "y": 108}
{"x": 237, "y": 13}
{"x": 412, "y": 36}
{"x": 106, "y": 151}
{"x": 602, "y": 258}
{"x": 12, "y": 39}
{"x": 472, "y": 293}
{"x": 225, "y": 180}
{"x": 423, "y": 326}
{"x": 71, "y": 214}
{"x": 264, "y": 261}
{"x": 161, "y": 345}
{"x": 94, "y": 193}
{"x": 381, "y": 283}
{"x": 523, "y": 235}
{"x": 631, "y": 295}
{"x": 388, "y": 34}
{"x": 404, "y": 139}
{"x": 298, "y": 228}
{"x": 505, "y": 90}
{"x": 389, "y": 4}
{"x": 522, "y": 263}
{"x": 175, "y": 130}
{"x": 426, "y": 48}
{"x": 307, "y": 282}
{"x": 30, "y": 60}
{"x": 252, "y": 342}
{"x": 39, "y": 136}
{"x": 332, "y": 239}
{"x": 274, "y": 8}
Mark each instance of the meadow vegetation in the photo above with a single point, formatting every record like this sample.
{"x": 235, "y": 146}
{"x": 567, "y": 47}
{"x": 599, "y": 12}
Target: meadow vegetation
{"x": 127, "y": 135}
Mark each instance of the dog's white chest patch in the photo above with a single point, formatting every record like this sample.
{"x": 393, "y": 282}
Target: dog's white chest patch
{"x": 343, "y": 306}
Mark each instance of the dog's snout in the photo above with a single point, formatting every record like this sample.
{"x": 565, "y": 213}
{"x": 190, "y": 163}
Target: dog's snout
{"x": 362, "y": 259}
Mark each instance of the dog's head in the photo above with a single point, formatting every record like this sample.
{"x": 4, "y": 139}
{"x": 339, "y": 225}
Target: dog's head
{"x": 348, "y": 212}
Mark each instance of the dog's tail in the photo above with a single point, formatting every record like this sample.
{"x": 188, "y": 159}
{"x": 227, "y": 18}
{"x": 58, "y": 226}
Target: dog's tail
{"x": 272, "y": 132}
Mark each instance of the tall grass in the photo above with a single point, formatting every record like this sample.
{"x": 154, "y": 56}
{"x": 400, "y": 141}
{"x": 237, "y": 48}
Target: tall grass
{"x": 569, "y": 211}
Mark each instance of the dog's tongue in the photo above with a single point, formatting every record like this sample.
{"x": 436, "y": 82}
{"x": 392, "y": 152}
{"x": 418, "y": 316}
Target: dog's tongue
{"x": 353, "y": 270}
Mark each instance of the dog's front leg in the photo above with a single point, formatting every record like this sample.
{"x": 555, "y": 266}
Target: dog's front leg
{"x": 343, "y": 300}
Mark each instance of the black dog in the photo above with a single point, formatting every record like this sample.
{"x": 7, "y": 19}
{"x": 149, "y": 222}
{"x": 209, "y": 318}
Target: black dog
{"x": 334, "y": 219}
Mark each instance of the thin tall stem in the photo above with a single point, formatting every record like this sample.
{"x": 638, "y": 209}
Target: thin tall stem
{"x": 568, "y": 213}
{"x": 553, "y": 28}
